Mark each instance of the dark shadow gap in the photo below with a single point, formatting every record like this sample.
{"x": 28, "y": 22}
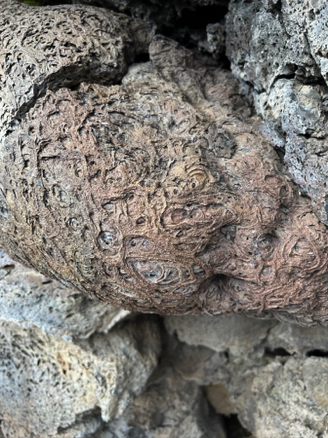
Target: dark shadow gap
{"x": 317, "y": 353}
{"x": 234, "y": 428}
{"x": 276, "y": 352}
{"x": 201, "y": 16}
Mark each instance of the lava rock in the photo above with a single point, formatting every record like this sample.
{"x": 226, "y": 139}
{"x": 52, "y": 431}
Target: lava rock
{"x": 50, "y": 385}
{"x": 157, "y": 194}
{"x": 279, "y": 50}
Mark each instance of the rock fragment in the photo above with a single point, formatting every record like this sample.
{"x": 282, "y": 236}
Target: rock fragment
{"x": 278, "y": 51}
{"x": 48, "y": 383}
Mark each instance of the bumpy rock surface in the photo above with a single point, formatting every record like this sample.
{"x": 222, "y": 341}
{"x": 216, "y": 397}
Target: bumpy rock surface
{"x": 46, "y": 381}
{"x": 275, "y": 383}
{"x": 154, "y": 195}
{"x": 66, "y": 372}
{"x": 60, "y": 46}
{"x": 279, "y": 51}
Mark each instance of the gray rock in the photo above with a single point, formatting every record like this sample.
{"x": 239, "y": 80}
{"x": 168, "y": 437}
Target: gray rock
{"x": 30, "y": 299}
{"x": 279, "y": 50}
{"x": 47, "y": 383}
{"x": 298, "y": 340}
{"x": 263, "y": 372}
{"x": 170, "y": 408}
{"x": 283, "y": 399}
{"x": 238, "y": 334}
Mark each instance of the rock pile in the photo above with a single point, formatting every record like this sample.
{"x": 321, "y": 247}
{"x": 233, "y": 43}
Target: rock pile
{"x": 149, "y": 188}
{"x": 134, "y": 171}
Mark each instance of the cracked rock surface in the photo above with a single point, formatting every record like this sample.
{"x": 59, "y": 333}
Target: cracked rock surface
{"x": 73, "y": 368}
{"x": 157, "y": 194}
{"x": 278, "y": 49}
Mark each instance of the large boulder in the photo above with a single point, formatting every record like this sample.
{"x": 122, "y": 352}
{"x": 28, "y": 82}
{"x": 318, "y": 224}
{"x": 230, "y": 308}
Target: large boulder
{"x": 157, "y": 194}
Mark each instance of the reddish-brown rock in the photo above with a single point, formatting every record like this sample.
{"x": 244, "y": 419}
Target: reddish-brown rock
{"x": 160, "y": 195}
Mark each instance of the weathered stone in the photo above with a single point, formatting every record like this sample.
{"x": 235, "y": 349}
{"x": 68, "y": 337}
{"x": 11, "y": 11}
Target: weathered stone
{"x": 169, "y": 408}
{"x": 30, "y": 299}
{"x": 276, "y": 390}
{"x": 279, "y": 50}
{"x": 284, "y": 399}
{"x": 238, "y": 334}
{"x": 155, "y": 195}
{"x": 61, "y": 46}
{"x": 47, "y": 384}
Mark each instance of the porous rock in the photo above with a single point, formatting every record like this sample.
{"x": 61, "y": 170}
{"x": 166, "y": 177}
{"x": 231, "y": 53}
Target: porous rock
{"x": 278, "y": 51}
{"x": 28, "y": 298}
{"x": 51, "y": 386}
{"x": 60, "y": 46}
{"x": 238, "y": 334}
{"x": 277, "y": 386}
{"x": 155, "y": 195}
{"x": 284, "y": 398}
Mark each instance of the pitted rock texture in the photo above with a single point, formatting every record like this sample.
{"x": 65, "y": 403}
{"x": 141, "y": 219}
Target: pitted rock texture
{"x": 46, "y": 381}
{"x": 278, "y": 49}
{"x": 28, "y": 298}
{"x": 276, "y": 383}
{"x": 59, "y": 46}
{"x": 155, "y": 195}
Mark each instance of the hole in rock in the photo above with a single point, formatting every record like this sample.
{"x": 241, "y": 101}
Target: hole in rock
{"x": 276, "y": 352}
{"x": 201, "y": 16}
{"x": 317, "y": 353}
{"x": 142, "y": 57}
{"x": 234, "y": 428}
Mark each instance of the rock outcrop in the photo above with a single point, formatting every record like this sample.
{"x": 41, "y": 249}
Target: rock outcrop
{"x": 71, "y": 367}
{"x": 157, "y": 194}
{"x": 149, "y": 185}
{"x": 278, "y": 49}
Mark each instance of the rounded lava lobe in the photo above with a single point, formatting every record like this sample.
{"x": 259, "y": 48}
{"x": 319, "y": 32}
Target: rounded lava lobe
{"x": 156, "y": 203}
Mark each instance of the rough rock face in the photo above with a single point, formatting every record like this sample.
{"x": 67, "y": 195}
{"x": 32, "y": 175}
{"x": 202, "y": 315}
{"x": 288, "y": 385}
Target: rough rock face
{"x": 64, "y": 370}
{"x": 47, "y": 375}
{"x": 276, "y": 383}
{"x": 60, "y": 46}
{"x": 28, "y": 298}
{"x": 67, "y": 372}
{"x": 154, "y": 195}
{"x": 279, "y": 51}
